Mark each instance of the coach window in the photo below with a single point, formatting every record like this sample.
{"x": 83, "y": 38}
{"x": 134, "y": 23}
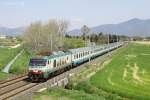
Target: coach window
{"x": 67, "y": 57}
{"x": 54, "y": 63}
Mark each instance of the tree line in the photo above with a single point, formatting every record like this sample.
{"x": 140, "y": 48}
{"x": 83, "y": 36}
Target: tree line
{"x": 53, "y": 35}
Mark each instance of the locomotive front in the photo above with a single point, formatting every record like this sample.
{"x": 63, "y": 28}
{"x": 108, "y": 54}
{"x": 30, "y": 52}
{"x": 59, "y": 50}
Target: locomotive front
{"x": 37, "y": 68}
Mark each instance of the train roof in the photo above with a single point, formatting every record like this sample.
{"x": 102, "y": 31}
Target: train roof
{"x": 57, "y": 54}
{"x": 53, "y": 55}
{"x": 70, "y": 51}
{"x": 85, "y": 49}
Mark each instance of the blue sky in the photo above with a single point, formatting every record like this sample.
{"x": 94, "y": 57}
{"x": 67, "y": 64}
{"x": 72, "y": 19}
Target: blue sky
{"x": 18, "y": 13}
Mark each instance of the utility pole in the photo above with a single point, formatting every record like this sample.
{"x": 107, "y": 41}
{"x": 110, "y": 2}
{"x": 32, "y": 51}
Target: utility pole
{"x": 51, "y": 43}
{"x": 117, "y": 38}
{"x": 85, "y": 30}
{"x": 108, "y": 39}
{"x": 90, "y": 49}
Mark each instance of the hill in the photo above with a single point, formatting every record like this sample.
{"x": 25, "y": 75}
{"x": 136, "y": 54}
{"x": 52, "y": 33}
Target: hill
{"x": 133, "y": 27}
{"x": 12, "y": 31}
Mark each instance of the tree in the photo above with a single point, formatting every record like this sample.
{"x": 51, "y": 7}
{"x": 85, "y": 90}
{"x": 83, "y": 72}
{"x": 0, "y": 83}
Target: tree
{"x": 49, "y": 36}
{"x": 63, "y": 26}
{"x": 85, "y": 30}
{"x": 32, "y": 36}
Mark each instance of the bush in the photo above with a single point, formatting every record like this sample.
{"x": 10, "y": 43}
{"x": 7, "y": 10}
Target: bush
{"x": 85, "y": 86}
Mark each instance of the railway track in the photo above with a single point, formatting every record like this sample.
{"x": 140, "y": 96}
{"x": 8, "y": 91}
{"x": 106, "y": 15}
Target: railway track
{"x": 11, "y": 85}
{"x": 12, "y": 81}
{"x": 14, "y": 91}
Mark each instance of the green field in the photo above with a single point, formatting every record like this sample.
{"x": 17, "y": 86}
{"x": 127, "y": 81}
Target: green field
{"x": 128, "y": 74}
{"x": 6, "y": 55}
{"x": 21, "y": 64}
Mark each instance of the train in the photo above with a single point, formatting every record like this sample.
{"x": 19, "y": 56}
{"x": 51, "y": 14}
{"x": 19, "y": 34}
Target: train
{"x": 52, "y": 63}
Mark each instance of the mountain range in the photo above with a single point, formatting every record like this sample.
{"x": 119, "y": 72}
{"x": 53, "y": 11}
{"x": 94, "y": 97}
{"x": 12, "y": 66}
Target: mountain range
{"x": 133, "y": 27}
{"x": 12, "y": 31}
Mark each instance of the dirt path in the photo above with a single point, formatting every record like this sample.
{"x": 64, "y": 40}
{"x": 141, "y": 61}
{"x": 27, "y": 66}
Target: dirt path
{"x": 142, "y": 42}
{"x": 8, "y": 66}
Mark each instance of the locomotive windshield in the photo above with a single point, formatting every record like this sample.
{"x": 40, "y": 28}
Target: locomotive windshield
{"x": 37, "y": 62}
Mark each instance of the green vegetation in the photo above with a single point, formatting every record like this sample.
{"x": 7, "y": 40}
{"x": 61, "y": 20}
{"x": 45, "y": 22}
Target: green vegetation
{"x": 81, "y": 91}
{"x": 127, "y": 74}
{"x": 63, "y": 94}
{"x": 21, "y": 64}
{"x": 6, "y": 55}
{"x": 9, "y": 41}
{"x": 4, "y": 76}
{"x": 74, "y": 43}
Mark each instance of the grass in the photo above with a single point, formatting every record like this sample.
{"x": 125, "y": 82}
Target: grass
{"x": 6, "y": 55}
{"x": 127, "y": 74}
{"x": 64, "y": 94}
{"x": 82, "y": 91}
{"x": 4, "y": 76}
{"x": 21, "y": 64}
{"x": 74, "y": 43}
